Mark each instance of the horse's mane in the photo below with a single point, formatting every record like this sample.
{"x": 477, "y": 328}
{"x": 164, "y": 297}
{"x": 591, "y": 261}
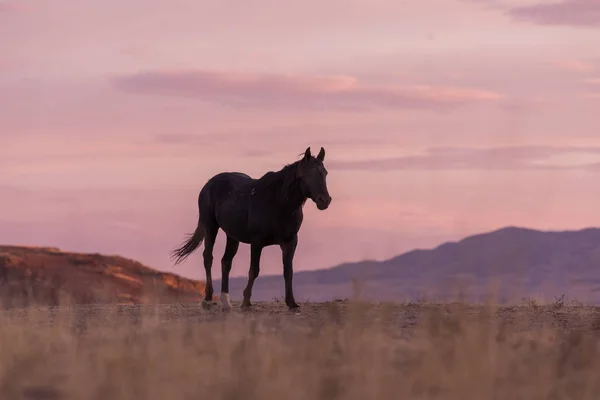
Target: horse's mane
{"x": 279, "y": 185}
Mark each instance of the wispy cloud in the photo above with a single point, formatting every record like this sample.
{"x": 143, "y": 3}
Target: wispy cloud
{"x": 592, "y": 95}
{"x": 500, "y": 158}
{"x": 6, "y": 7}
{"x": 593, "y": 88}
{"x": 187, "y": 139}
{"x": 11, "y": 6}
{"x": 297, "y": 91}
{"x": 567, "y": 12}
{"x": 573, "y": 65}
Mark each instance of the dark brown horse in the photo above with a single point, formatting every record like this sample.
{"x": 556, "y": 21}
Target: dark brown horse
{"x": 261, "y": 212}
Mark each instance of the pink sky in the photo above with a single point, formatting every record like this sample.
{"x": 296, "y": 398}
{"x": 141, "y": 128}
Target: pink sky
{"x": 440, "y": 119}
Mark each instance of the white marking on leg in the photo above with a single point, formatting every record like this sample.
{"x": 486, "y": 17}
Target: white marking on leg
{"x": 225, "y": 301}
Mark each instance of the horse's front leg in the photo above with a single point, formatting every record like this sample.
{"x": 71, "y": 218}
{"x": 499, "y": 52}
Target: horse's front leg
{"x": 288, "y": 250}
{"x": 255, "y": 252}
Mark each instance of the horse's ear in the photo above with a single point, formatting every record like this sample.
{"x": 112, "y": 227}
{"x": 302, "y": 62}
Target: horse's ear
{"x": 307, "y": 154}
{"x": 321, "y": 155}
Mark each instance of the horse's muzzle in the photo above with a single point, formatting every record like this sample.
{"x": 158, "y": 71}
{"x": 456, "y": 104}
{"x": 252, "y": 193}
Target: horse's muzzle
{"x": 323, "y": 202}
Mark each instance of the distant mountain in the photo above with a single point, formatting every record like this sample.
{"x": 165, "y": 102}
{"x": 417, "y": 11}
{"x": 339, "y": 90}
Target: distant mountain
{"x": 45, "y": 276}
{"x": 524, "y": 262}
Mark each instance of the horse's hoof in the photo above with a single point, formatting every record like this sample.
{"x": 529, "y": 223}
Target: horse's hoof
{"x": 225, "y": 303}
{"x": 246, "y": 307}
{"x": 294, "y": 308}
{"x": 226, "y": 307}
{"x": 206, "y": 304}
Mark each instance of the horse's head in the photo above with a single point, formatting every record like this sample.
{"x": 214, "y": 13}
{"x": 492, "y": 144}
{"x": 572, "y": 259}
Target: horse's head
{"x": 312, "y": 174}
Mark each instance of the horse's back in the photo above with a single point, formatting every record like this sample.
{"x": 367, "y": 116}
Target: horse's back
{"x": 223, "y": 184}
{"x": 233, "y": 179}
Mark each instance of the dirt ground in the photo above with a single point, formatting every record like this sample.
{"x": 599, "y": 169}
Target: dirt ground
{"x": 396, "y": 316}
{"x": 334, "y": 350}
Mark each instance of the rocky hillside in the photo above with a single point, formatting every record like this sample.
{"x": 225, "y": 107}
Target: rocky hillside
{"x": 42, "y": 275}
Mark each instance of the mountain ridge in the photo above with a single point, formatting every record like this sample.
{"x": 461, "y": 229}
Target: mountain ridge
{"x": 545, "y": 263}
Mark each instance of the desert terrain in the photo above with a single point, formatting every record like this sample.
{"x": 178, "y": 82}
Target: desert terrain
{"x": 330, "y": 350}
{"x": 89, "y": 326}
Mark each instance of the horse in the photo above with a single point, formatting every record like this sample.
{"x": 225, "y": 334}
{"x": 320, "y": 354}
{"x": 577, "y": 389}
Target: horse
{"x": 259, "y": 212}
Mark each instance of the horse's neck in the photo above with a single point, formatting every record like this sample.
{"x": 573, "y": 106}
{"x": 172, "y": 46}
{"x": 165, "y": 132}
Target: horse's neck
{"x": 290, "y": 198}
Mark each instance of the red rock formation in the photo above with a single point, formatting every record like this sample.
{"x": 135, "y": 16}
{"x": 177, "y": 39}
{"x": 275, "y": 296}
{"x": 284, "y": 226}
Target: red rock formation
{"x": 48, "y": 276}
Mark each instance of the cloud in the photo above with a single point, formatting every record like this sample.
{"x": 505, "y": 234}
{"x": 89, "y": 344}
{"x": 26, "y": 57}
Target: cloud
{"x": 592, "y": 96}
{"x": 498, "y": 158}
{"x": 592, "y": 84}
{"x": 187, "y": 139}
{"x": 297, "y": 91}
{"x": 567, "y": 12}
{"x": 7, "y": 7}
{"x": 572, "y": 65}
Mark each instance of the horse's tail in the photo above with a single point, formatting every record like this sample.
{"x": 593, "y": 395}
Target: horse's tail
{"x": 194, "y": 241}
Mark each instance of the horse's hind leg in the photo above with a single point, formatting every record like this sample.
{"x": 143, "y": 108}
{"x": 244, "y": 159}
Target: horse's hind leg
{"x": 211, "y": 229}
{"x": 231, "y": 249}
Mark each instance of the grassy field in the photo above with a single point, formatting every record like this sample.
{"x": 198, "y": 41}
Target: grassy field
{"x": 337, "y": 350}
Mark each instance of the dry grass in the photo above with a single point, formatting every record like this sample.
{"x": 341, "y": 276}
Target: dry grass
{"x": 333, "y": 350}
